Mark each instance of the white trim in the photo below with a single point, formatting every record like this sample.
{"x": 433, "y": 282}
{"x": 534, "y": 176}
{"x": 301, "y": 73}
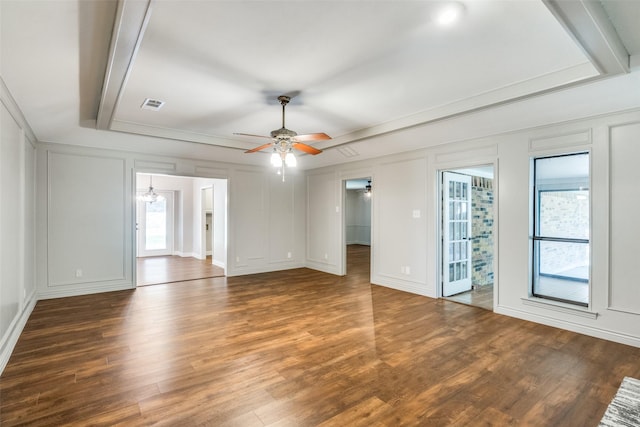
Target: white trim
{"x": 570, "y": 326}
{"x": 266, "y": 269}
{"x": 85, "y": 290}
{"x": 10, "y": 339}
{"x": 182, "y": 254}
{"x": 219, "y": 264}
{"x": 404, "y": 285}
{"x": 558, "y": 306}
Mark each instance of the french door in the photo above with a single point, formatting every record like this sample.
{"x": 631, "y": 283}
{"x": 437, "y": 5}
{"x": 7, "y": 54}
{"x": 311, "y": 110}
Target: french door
{"x": 456, "y": 233}
{"x": 155, "y": 225}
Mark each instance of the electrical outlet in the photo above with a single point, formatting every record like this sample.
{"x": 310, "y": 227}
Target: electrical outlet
{"x": 407, "y": 270}
{"x": 326, "y": 256}
{"x": 289, "y": 255}
{"x": 78, "y": 273}
{"x": 237, "y": 259}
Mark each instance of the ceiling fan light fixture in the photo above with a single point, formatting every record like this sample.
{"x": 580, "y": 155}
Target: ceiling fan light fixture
{"x": 276, "y": 159}
{"x": 284, "y": 141}
{"x": 290, "y": 160}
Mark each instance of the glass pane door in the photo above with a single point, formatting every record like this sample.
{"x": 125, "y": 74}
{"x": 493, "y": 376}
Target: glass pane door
{"x": 155, "y": 225}
{"x": 456, "y": 242}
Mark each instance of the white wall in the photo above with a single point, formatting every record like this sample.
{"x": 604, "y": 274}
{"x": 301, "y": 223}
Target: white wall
{"x": 100, "y": 232}
{"x": 17, "y": 223}
{"x": 266, "y": 225}
{"x": 612, "y": 142}
{"x": 324, "y": 233}
{"x": 358, "y": 218}
{"x": 407, "y": 184}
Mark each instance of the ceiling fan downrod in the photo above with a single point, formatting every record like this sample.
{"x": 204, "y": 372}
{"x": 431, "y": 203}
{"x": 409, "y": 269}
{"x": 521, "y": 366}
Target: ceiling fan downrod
{"x": 284, "y": 100}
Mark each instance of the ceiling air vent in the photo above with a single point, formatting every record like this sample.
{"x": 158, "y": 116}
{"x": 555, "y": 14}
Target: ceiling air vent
{"x": 347, "y": 151}
{"x": 152, "y": 104}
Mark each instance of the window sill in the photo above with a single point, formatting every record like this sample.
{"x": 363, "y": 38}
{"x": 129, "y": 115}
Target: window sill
{"x": 559, "y": 307}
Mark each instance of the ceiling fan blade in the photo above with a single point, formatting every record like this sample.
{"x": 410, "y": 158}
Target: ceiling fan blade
{"x": 262, "y": 147}
{"x": 248, "y": 134}
{"x": 306, "y": 148}
{"x": 311, "y": 137}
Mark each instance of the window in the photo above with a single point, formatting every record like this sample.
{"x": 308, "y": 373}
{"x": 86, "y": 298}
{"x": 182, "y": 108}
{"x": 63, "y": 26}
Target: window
{"x": 561, "y": 224}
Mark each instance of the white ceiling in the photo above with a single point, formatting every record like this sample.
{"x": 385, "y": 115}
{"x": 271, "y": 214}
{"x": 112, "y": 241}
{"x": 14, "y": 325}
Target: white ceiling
{"x": 368, "y": 73}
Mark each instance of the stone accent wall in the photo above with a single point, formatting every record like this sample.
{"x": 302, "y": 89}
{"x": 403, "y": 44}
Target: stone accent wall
{"x": 482, "y": 231}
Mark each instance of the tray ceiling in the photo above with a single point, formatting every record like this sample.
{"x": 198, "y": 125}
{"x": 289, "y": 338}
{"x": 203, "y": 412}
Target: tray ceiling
{"x": 356, "y": 69}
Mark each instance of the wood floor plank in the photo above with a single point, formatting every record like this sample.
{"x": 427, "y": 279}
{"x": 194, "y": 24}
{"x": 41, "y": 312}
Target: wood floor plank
{"x": 171, "y": 268}
{"x": 300, "y": 348}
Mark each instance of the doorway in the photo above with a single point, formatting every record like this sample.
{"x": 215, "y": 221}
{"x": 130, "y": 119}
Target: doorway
{"x": 467, "y": 224}
{"x": 180, "y": 235}
{"x": 357, "y": 221}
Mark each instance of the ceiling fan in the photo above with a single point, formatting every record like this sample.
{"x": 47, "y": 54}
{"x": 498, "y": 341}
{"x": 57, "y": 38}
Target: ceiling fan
{"x": 284, "y": 140}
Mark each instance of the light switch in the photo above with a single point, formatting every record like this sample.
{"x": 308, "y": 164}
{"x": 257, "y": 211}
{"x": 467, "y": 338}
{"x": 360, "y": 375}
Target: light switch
{"x": 416, "y": 213}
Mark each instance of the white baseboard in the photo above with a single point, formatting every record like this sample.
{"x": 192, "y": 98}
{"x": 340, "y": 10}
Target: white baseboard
{"x": 86, "y": 290}
{"x": 570, "y": 326}
{"x": 244, "y": 270}
{"x": 13, "y": 335}
{"x": 219, "y": 263}
{"x": 401, "y": 284}
{"x": 186, "y": 254}
{"x": 322, "y": 266}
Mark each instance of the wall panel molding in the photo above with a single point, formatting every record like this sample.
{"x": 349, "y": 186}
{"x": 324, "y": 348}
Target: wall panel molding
{"x": 561, "y": 140}
{"x": 149, "y": 165}
{"x": 624, "y": 152}
{"x": 87, "y": 235}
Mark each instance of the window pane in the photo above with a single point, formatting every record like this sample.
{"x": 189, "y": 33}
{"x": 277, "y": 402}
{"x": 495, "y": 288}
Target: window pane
{"x": 564, "y": 214}
{"x": 463, "y": 270}
{"x": 156, "y": 225}
{"x": 563, "y": 260}
{"x": 562, "y": 271}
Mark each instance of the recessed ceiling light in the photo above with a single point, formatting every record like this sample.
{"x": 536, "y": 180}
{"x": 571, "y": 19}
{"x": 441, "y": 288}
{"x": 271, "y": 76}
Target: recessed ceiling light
{"x": 449, "y": 13}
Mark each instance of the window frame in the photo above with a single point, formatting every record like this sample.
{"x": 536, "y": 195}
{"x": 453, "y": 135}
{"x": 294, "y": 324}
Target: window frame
{"x": 535, "y": 226}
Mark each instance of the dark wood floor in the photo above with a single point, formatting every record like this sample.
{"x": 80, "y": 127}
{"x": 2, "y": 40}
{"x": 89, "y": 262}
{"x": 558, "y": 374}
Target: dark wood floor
{"x": 301, "y": 348}
{"x": 480, "y": 296}
{"x": 166, "y": 269}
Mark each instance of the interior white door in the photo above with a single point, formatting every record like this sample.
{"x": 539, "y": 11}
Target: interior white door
{"x": 155, "y": 225}
{"x": 456, "y": 233}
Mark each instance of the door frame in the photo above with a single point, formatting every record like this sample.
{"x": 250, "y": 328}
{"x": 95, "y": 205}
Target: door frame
{"x": 439, "y": 211}
{"x": 134, "y": 210}
{"x": 367, "y": 174}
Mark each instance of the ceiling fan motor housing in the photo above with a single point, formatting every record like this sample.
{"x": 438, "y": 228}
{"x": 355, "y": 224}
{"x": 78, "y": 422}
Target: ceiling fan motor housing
{"x": 283, "y": 133}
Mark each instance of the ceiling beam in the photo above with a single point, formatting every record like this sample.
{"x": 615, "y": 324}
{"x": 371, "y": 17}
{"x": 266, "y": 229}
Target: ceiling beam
{"x": 589, "y": 25}
{"x": 131, "y": 20}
